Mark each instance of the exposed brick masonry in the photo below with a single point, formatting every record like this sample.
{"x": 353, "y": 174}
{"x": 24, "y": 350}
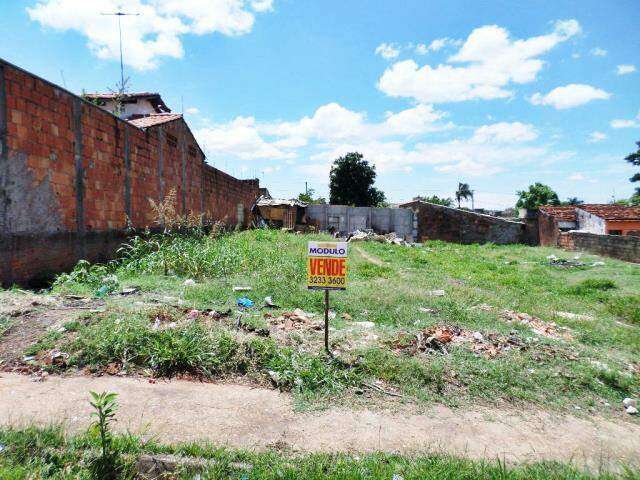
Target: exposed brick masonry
{"x": 71, "y": 174}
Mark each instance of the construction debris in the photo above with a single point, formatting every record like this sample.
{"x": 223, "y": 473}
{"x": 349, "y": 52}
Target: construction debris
{"x": 371, "y": 236}
{"x": 298, "y": 319}
{"x": 438, "y": 339}
{"x": 435, "y": 293}
{"x": 537, "y": 325}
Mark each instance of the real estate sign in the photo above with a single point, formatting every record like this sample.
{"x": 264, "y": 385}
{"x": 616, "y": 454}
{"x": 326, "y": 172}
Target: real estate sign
{"x": 327, "y": 265}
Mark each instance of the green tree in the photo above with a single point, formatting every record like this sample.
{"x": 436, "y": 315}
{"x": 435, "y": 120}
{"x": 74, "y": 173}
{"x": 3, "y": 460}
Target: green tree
{"x": 447, "y": 202}
{"x": 463, "y": 192}
{"x": 538, "y": 194}
{"x": 573, "y": 201}
{"x": 351, "y": 182}
{"x": 309, "y": 197}
{"x": 634, "y": 159}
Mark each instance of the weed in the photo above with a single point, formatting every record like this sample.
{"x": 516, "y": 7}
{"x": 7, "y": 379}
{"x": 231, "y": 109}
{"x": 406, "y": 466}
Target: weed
{"x": 108, "y": 465}
{"x": 626, "y": 307}
{"x": 592, "y": 285}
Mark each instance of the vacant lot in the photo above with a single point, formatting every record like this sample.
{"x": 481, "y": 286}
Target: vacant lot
{"x": 438, "y": 323}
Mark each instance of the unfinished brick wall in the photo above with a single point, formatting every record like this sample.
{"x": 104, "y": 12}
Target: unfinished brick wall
{"x": 548, "y": 230}
{"x": 436, "y": 222}
{"x": 72, "y": 176}
{"x": 622, "y": 247}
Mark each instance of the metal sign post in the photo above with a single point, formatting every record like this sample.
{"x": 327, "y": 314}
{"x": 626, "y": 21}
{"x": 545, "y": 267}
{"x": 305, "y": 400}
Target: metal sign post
{"x": 327, "y": 270}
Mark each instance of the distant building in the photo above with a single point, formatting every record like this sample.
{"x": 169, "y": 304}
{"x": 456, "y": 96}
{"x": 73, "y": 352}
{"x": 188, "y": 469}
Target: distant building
{"x": 132, "y": 105}
{"x": 602, "y": 219}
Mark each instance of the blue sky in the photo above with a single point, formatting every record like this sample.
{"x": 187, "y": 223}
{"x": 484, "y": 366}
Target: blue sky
{"x": 497, "y": 94}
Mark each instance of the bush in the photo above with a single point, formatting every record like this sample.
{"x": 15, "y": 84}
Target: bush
{"x": 591, "y": 286}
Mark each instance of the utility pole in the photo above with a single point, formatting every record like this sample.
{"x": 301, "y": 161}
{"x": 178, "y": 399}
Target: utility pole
{"x": 306, "y": 189}
{"x": 120, "y": 14}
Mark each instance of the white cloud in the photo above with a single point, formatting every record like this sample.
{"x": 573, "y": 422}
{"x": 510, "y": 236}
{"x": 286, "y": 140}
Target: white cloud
{"x": 598, "y": 52}
{"x": 595, "y": 137}
{"x": 437, "y": 44}
{"x": 333, "y": 122}
{"x": 484, "y": 67}
{"x": 625, "y": 69}
{"x": 620, "y": 123}
{"x": 192, "y": 111}
{"x": 504, "y": 132}
{"x": 155, "y": 33}
{"x": 387, "y": 51}
{"x": 569, "y": 96}
{"x": 238, "y": 138}
{"x": 577, "y": 177}
{"x": 262, "y": 5}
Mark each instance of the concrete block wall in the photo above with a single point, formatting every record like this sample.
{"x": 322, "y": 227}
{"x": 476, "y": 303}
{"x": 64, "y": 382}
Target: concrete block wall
{"x": 347, "y": 219}
{"x": 437, "y": 222}
{"x": 73, "y": 177}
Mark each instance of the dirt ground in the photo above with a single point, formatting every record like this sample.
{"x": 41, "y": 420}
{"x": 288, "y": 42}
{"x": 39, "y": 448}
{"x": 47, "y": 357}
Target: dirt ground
{"x": 241, "y": 416}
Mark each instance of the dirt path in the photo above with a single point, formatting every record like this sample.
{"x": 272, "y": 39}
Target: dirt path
{"x": 242, "y": 416}
{"x": 368, "y": 257}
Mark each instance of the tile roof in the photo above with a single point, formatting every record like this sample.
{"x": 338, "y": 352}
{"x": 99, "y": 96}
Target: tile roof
{"x": 612, "y": 212}
{"x": 155, "y": 119}
{"x": 566, "y": 213}
{"x": 154, "y": 98}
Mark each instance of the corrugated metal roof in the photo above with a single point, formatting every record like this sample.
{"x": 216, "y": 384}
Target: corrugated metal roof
{"x": 155, "y": 119}
{"x": 279, "y": 202}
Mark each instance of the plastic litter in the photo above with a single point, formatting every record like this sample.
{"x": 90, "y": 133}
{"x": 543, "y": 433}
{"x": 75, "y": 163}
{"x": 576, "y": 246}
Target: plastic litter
{"x": 245, "y": 302}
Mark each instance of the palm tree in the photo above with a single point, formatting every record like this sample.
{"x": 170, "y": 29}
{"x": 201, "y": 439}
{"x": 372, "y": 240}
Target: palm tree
{"x": 463, "y": 192}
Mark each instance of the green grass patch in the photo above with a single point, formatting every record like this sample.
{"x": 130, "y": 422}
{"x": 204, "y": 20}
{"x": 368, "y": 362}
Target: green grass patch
{"x": 479, "y": 281}
{"x": 47, "y": 453}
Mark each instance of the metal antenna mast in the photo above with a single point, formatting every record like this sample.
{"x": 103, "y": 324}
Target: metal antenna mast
{"x": 120, "y": 14}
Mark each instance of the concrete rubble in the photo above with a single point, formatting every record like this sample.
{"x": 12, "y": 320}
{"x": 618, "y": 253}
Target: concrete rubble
{"x": 371, "y": 236}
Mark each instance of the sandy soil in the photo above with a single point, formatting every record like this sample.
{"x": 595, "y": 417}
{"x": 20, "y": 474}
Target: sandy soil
{"x": 241, "y": 416}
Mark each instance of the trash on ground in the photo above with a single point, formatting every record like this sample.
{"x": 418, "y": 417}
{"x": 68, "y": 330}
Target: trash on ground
{"x": 630, "y": 402}
{"x": 439, "y": 338}
{"x": 631, "y": 410}
{"x": 242, "y": 289}
{"x": 189, "y": 282}
{"x": 371, "y": 236}
{"x": 436, "y": 293}
{"x": 193, "y": 314}
{"x": 346, "y": 316}
{"x": 217, "y": 315}
{"x": 364, "y": 324}
{"x": 574, "y": 316}
{"x": 432, "y": 311}
{"x": 562, "y": 262}
{"x": 537, "y": 325}
{"x": 483, "y": 307}
{"x": 268, "y": 302}
{"x": 245, "y": 302}
{"x": 129, "y": 291}
{"x": 298, "y": 319}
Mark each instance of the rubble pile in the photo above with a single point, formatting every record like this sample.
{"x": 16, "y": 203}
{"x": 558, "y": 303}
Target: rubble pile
{"x": 537, "y": 325}
{"x": 440, "y": 338}
{"x": 371, "y": 236}
{"x": 296, "y": 320}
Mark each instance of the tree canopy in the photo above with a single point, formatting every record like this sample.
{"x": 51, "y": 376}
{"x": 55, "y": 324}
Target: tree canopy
{"x": 351, "y": 182}
{"x": 310, "y": 197}
{"x": 447, "y": 202}
{"x": 464, "y": 192}
{"x": 537, "y": 194}
{"x": 634, "y": 159}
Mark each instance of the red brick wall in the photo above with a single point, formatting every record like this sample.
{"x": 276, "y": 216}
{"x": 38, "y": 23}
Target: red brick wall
{"x": 623, "y": 247}
{"x": 73, "y": 172}
{"x": 437, "y": 222}
{"x": 548, "y": 230}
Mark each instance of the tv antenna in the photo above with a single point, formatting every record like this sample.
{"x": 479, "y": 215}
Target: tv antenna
{"x": 120, "y": 14}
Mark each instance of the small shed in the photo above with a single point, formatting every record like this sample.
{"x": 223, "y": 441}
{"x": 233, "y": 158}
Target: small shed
{"x": 281, "y": 213}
